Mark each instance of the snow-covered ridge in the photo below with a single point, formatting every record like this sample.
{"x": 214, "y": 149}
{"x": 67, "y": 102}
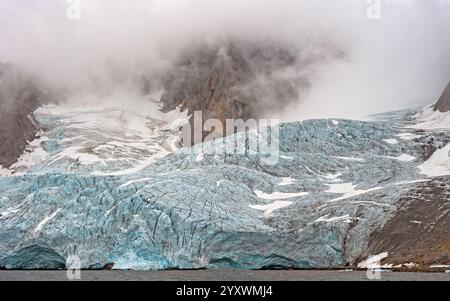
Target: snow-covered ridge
{"x": 432, "y": 120}
{"x": 439, "y": 163}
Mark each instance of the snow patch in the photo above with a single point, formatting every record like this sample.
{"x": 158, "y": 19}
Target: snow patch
{"x": 176, "y": 119}
{"x": 416, "y": 222}
{"x": 348, "y": 189}
{"x": 278, "y": 195}
{"x": 391, "y": 141}
{"x": 287, "y": 158}
{"x": 332, "y": 177}
{"x": 438, "y": 164}
{"x": 325, "y": 219}
{"x": 199, "y": 158}
{"x": 403, "y": 158}
{"x": 408, "y": 136}
{"x": 220, "y": 182}
{"x": 440, "y": 266}
{"x": 410, "y": 265}
{"x": 32, "y": 155}
{"x": 286, "y": 182}
{"x": 4, "y": 172}
{"x": 270, "y": 208}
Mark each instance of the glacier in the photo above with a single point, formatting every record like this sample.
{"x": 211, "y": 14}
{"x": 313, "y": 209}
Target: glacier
{"x": 113, "y": 187}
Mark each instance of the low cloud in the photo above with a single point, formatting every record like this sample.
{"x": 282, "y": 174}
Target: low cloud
{"x": 399, "y": 59}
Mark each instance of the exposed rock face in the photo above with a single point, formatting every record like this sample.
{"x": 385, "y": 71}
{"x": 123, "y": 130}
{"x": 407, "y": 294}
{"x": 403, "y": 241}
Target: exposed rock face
{"x": 443, "y": 105}
{"x": 19, "y": 97}
{"x": 239, "y": 80}
{"x": 420, "y": 233}
{"x": 206, "y": 80}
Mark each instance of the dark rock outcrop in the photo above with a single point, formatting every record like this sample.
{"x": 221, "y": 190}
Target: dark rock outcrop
{"x": 208, "y": 80}
{"x": 443, "y": 105}
{"x": 420, "y": 233}
{"x": 19, "y": 97}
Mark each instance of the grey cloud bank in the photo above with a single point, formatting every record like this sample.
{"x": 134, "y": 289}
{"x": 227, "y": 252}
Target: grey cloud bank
{"x": 399, "y": 60}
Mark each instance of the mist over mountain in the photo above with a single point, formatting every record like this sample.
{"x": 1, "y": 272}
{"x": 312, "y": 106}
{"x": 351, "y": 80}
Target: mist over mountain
{"x": 398, "y": 60}
{"x": 243, "y": 79}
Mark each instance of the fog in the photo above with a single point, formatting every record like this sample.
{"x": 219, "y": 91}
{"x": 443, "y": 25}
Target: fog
{"x": 395, "y": 56}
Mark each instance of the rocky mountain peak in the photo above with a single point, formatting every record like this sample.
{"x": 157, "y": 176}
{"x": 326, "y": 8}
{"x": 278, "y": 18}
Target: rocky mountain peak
{"x": 443, "y": 104}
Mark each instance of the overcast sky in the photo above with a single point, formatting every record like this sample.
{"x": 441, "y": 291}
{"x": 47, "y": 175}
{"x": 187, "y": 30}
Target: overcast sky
{"x": 396, "y": 56}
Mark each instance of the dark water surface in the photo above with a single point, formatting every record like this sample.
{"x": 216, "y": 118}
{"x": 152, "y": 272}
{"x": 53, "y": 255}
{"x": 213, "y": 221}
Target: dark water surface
{"x": 219, "y": 275}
